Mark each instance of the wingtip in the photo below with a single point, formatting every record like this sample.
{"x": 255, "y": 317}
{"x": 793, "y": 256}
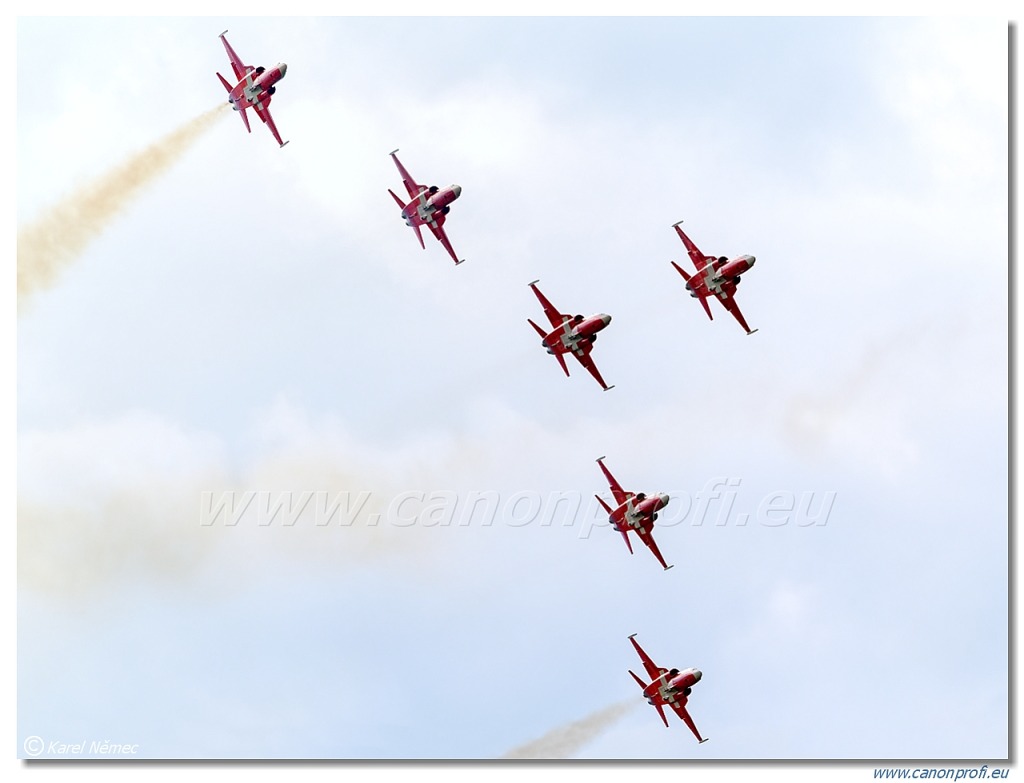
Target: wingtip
{"x": 534, "y": 282}
{"x": 223, "y": 34}
{"x": 677, "y": 223}
{"x": 599, "y": 459}
{"x": 631, "y": 636}
{"x": 285, "y": 144}
{"x": 393, "y": 151}
{"x": 703, "y": 740}
{"x": 751, "y": 332}
{"x": 670, "y": 566}
{"x": 609, "y": 388}
{"x": 460, "y": 261}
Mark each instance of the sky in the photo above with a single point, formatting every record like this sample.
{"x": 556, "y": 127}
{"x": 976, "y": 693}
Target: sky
{"x": 258, "y": 323}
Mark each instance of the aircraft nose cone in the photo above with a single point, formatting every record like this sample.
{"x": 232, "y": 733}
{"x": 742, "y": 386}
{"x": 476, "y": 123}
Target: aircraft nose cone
{"x": 664, "y": 499}
{"x": 284, "y": 68}
{"x": 697, "y": 674}
{"x": 751, "y": 261}
{"x": 606, "y": 319}
{"x": 457, "y": 190}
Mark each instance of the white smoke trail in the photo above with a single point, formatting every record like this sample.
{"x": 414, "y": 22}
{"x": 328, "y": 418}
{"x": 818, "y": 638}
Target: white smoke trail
{"x": 565, "y": 741}
{"x": 53, "y": 241}
{"x": 104, "y": 503}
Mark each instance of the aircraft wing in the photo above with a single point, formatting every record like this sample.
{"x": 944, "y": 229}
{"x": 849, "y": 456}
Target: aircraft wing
{"x": 648, "y": 540}
{"x": 652, "y": 671}
{"x": 698, "y": 258}
{"x": 613, "y": 485}
{"x": 588, "y": 363}
{"x": 437, "y": 229}
{"x": 680, "y": 707}
{"x": 240, "y": 68}
{"x": 729, "y": 302}
{"x": 410, "y": 184}
{"x": 263, "y": 112}
{"x": 556, "y": 318}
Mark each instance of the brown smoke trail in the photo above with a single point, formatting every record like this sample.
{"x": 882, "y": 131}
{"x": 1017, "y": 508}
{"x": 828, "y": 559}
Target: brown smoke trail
{"x": 53, "y": 241}
{"x": 563, "y": 742}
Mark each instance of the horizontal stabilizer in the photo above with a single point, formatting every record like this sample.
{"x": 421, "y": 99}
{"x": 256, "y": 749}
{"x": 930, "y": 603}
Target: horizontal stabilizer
{"x": 224, "y": 82}
{"x": 661, "y": 712}
{"x": 561, "y": 361}
{"x": 625, "y": 537}
{"x": 707, "y": 307}
{"x": 681, "y": 271}
{"x": 396, "y": 198}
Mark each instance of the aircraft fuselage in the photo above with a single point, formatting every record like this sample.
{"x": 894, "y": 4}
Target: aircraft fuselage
{"x": 576, "y": 334}
{"x": 422, "y": 210}
{"x": 256, "y": 87}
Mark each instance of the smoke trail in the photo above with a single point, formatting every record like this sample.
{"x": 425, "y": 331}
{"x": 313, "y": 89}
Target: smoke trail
{"x": 115, "y": 502}
{"x": 563, "y": 742}
{"x": 51, "y": 243}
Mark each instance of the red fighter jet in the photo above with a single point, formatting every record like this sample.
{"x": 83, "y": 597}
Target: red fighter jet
{"x": 427, "y": 207}
{"x": 571, "y": 334}
{"x": 715, "y": 277}
{"x": 635, "y": 512}
{"x": 253, "y": 88}
{"x": 668, "y": 686}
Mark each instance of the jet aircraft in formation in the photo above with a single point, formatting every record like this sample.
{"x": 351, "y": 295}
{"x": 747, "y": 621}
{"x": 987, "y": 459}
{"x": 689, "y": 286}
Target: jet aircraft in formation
{"x": 716, "y": 277}
{"x": 575, "y": 335}
{"x": 669, "y": 687}
{"x": 427, "y": 206}
{"x": 633, "y": 511}
{"x": 252, "y": 89}
{"x": 572, "y": 334}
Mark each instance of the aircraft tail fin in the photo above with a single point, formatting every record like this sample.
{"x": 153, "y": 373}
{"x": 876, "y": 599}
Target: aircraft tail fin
{"x": 603, "y": 504}
{"x": 224, "y": 82}
{"x": 540, "y": 331}
{"x": 638, "y": 680}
